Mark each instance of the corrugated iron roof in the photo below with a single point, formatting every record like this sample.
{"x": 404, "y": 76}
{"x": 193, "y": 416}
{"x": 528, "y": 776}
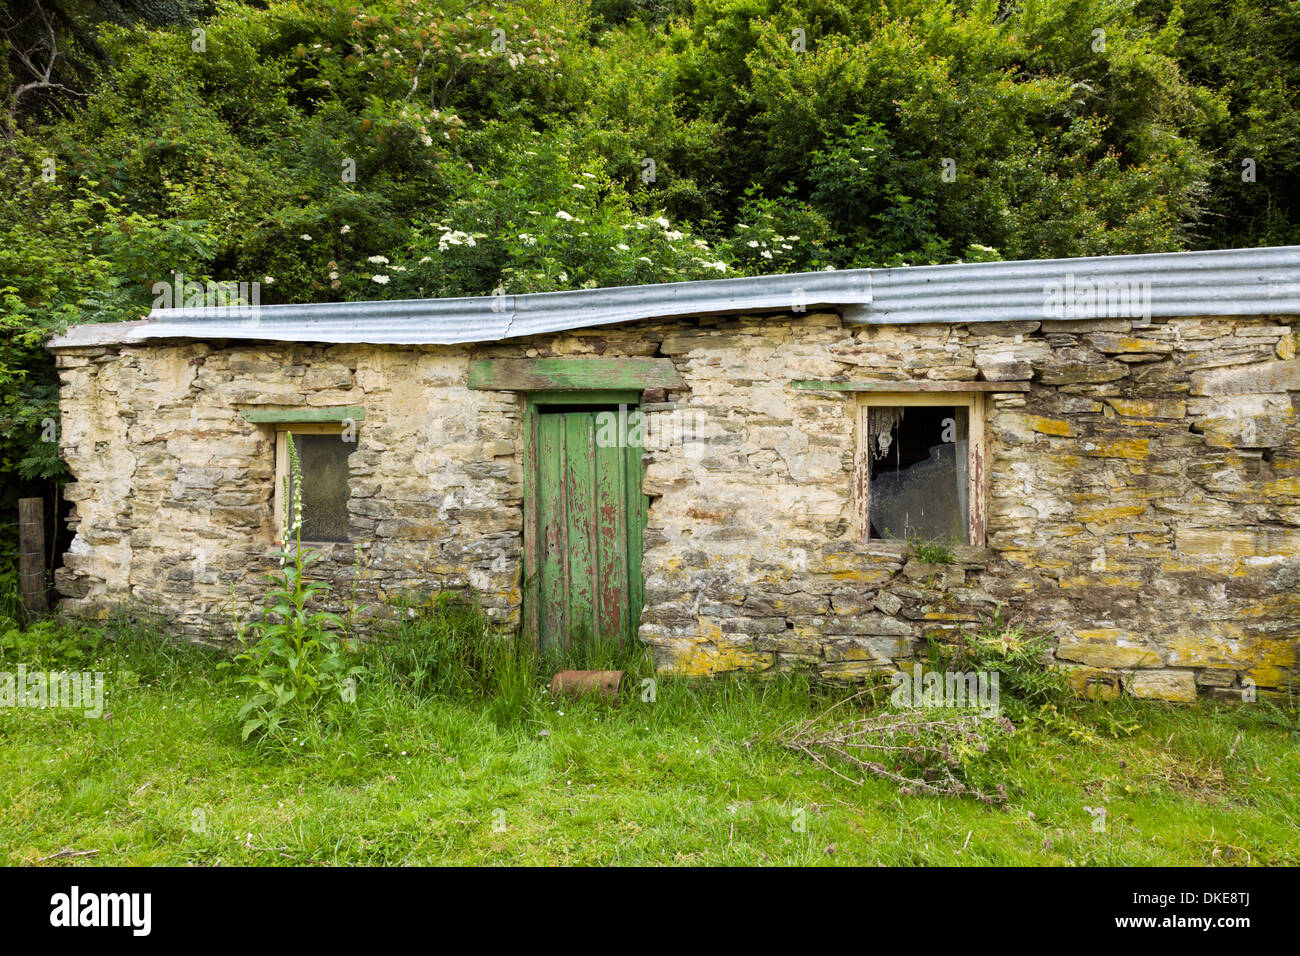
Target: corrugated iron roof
{"x": 1264, "y": 281}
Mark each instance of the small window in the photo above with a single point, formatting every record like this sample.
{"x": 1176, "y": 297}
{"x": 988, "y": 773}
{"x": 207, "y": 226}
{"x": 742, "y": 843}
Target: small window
{"x": 323, "y": 452}
{"x": 920, "y": 467}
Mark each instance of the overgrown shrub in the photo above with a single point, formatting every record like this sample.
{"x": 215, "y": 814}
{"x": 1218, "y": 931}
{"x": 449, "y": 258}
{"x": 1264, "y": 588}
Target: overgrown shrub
{"x": 131, "y": 645}
{"x": 446, "y": 646}
{"x": 945, "y": 748}
{"x": 49, "y": 643}
{"x": 1027, "y": 678}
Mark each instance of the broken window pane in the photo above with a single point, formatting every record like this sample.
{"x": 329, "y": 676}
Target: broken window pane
{"x": 323, "y": 460}
{"x": 918, "y": 460}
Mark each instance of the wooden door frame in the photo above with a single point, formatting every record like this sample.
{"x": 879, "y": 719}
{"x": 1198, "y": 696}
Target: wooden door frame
{"x": 282, "y": 472}
{"x": 530, "y": 572}
{"x": 976, "y": 456}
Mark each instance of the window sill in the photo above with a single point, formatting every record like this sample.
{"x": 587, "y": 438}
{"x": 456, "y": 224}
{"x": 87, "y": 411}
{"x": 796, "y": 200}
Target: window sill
{"x": 966, "y": 555}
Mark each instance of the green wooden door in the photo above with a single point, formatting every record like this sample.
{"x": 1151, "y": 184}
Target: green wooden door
{"x": 583, "y": 535}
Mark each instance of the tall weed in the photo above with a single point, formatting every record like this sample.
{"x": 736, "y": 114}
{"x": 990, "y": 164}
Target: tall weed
{"x": 302, "y": 674}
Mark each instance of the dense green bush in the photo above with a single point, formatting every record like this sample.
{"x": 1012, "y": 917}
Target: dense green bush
{"x": 413, "y": 149}
{"x": 1028, "y": 679}
{"x": 445, "y": 646}
{"x": 50, "y": 644}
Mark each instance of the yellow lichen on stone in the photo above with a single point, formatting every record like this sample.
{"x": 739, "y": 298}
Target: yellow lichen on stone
{"x": 710, "y": 654}
{"x": 1137, "y": 448}
{"x": 1176, "y": 686}
{"x": 1100, "y": 580}
{"x": 1094, "y": 683}
{"x": 1106, "y": 648}
{"x": 1148, "y": 407}
{"x": 1049, "y": 426}
{"x": 1105, "y": 514}
{"x": 1283, "y": 487}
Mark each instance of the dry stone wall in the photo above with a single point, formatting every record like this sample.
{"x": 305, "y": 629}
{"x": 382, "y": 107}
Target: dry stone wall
{"x": 174, "y": 489}
{"x": 1144, "y": 493}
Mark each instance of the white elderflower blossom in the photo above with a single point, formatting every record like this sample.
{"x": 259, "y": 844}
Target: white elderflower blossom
{"x": 455, "y": 237}
{"x": 381, "y": 280}
{"x": 378, "y": 260}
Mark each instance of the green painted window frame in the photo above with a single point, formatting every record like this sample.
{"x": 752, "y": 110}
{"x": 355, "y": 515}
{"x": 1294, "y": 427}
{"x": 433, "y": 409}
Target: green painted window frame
{"x": 327, "y": 420}
{"x": 573, "y": 374}
{"x": 304, "y": 416}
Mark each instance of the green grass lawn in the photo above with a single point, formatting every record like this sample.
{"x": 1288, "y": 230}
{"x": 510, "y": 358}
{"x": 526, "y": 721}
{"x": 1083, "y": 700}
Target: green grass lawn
{"x": 694, "y": 778}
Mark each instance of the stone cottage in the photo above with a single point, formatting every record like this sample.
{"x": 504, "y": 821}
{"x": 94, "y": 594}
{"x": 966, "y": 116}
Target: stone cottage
{"x": 749, "y": 473}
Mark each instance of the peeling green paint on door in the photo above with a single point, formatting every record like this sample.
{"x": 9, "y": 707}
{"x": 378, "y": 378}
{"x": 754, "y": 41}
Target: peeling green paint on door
{"x": 584, "y": 515}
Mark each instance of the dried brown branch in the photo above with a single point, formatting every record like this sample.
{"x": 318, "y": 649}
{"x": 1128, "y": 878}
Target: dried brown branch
{"x": 67, "y": 853}
{"x": 42, "y": 75}
{"x": 920, "y": 751}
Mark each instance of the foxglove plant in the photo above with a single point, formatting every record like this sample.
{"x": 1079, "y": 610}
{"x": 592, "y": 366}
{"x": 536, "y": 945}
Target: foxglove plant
{"x": 299, "y": 668}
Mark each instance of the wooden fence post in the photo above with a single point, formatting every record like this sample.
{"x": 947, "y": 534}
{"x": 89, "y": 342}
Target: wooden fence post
{"x": 31, "y": 553}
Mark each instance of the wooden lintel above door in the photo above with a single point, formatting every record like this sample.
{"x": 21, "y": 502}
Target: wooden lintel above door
{"x": 573, "y": 374}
